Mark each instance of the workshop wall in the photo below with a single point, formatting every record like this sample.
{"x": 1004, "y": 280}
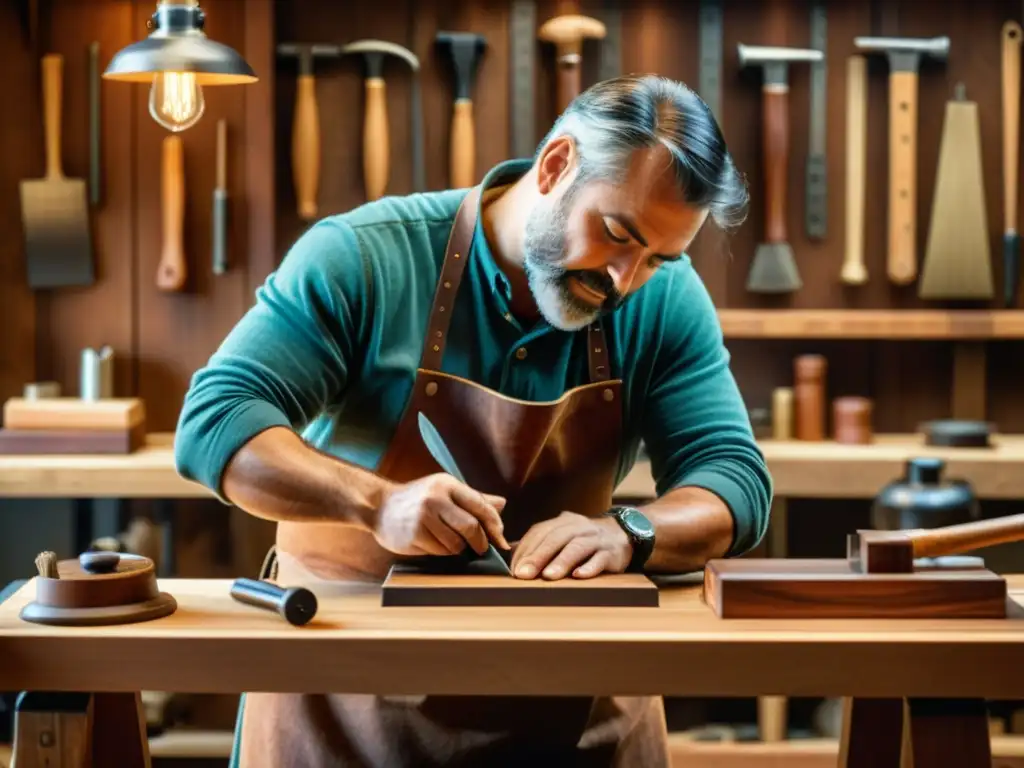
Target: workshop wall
{"x": 160, "y": 338}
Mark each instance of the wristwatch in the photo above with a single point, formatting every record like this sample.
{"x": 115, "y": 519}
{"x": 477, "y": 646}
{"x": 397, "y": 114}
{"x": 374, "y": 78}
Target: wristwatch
{"x": 640, "y": 532}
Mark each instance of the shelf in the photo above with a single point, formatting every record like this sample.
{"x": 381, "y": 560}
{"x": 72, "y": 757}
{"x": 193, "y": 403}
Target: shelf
{"x": 834, "y": 470}
{"x": 871, "y": 324}
{"x": 797, "y": 753}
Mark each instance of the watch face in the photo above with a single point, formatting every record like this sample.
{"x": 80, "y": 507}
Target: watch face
{"x": 637, "y": 522}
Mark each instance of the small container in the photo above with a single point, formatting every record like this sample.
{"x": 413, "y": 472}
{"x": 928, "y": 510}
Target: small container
{"x": 851, "y": 420}
{"x": 923, "y": 498}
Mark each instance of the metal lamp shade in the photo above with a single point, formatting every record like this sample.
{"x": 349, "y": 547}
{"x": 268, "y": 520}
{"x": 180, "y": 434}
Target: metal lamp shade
{"x": 178, "y": 44}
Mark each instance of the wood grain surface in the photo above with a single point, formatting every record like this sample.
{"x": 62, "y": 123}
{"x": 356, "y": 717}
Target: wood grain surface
{"x": 214, "y": 644}
{"x": 607, "y": 590}
{"x": 753, "y": 588}
{"x": 799, "y": 469}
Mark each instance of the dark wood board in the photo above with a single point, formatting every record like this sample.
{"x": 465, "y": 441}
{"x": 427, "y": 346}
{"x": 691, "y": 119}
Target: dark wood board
{"x": 752, "y": 588}
{"x": 409, "y": 588}
{"x": 71, "y": 441}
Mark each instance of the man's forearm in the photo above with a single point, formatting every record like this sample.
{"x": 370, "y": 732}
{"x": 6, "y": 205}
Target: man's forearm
{"x": 277, "y": 476}
{"x": 692, "y": 526}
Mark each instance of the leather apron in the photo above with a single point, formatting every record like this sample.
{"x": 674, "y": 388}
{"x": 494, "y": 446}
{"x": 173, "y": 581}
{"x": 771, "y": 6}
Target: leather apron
{"x": 544, "y": 458}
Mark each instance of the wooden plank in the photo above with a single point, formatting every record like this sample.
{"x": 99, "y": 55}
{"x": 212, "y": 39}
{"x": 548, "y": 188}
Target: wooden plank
{"x": 825, "y": 470}
{"x": 607, "y": 590}
{"x": 103, "y": 313}
{"x": 872, "y": 324}
{"x": 215, "y": 644}
{"x": 257, "y": 207}
{"x": 1007, "y": 752}
{"x": 177, "y": 332}
{"x": 21, "y": 157}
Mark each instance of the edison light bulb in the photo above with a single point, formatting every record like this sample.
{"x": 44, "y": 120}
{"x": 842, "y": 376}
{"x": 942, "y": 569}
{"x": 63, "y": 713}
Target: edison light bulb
{"x": 176, "y": 100}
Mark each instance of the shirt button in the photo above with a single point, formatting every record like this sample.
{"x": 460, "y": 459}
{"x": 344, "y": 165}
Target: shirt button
{"x": 521, "y": 353}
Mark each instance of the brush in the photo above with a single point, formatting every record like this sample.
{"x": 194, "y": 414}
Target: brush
{"x": 46, "y": 563}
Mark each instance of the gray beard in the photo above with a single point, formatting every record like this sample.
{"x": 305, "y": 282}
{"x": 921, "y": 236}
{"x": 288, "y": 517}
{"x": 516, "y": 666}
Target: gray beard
{"x": 543, "y": 251}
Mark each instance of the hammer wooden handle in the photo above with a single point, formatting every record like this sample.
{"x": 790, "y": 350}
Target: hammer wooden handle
{"x": 854, "y": 271}
{"x": 463, "y": 145}
{"x": 776, "y": 154}
{"x": 1011, "y": 120}
{"x": 170, "y": 274}
{"x": 375, "y": 138}
{"x": 306, "y": 147}
{"x": 902, "y": 257}
{"x": 957, "y": 539}
{"x": 568, "y": 83}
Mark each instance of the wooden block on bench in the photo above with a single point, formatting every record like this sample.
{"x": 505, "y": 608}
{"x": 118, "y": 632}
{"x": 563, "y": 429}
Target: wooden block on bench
{"x": 72, "y": 413}
{"x": 407, "y": 587}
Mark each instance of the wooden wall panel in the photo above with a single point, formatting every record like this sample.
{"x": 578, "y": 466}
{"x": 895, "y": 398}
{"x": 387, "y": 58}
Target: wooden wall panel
{"x": 104, "y": 313}
{"x": 178, "y": 331}
{"x": 21, "y": 157}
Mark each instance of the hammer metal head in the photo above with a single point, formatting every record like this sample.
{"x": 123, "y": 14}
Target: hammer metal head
{"x": 465, "y": 49}
{"x": 306, "y": 52}
{"x": 382, "y": 47}
{"x": 905, "y": 52}
{"x": 764, "y": 54}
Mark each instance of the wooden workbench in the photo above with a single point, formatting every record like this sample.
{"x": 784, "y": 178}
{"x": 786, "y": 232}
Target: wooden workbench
{"x": 215, "y": 645}
{"x": 799, "y": 469}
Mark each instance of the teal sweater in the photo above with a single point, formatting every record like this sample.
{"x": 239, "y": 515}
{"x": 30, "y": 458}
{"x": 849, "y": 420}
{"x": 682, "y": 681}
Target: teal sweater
{"x": 332, "y": 344}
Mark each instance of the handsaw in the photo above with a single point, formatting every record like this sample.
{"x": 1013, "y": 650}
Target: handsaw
{"x": 439, "y": 451}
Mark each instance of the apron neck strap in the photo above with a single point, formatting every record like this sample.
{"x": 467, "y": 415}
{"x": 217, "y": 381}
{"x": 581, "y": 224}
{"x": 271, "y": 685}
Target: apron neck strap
{"x": 456, "y": 255}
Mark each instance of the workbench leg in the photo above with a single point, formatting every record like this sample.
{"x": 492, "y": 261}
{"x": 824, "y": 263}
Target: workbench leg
{"x": 872, "y": 735}
{"x": 55, "y": 729}
{"x": 943, "y": 732}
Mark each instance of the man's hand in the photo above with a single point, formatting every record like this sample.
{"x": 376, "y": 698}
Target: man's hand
{"x": 438, "y": 515}
{"x": 572, "y": 543}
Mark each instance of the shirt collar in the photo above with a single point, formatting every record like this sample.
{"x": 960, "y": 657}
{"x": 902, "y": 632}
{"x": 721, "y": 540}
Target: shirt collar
{"x": 503, "y": 173}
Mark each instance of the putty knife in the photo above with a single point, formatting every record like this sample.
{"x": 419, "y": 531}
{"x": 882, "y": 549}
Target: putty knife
{"x": 55, "y": 209}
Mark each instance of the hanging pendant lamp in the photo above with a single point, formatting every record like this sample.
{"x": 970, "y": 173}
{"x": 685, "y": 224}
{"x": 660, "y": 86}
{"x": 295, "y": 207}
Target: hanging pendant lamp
{"x": 178, "y": 59}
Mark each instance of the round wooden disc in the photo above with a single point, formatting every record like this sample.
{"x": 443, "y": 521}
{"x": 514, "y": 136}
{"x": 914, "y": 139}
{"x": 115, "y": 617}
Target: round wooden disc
{"x": 132, "y": 582}
{"x": 161, "y": 605}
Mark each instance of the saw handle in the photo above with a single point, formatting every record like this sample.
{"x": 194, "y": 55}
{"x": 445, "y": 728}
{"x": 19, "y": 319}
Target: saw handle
{"x": 53, "y": 92}
{"x": 463, "y": 146}
{"x": 306, "y": 147}
{"x": 170, "y": 274}
{"x": 902, "y": 257}
{"x": 776, "y": 157}
{"x": 854, "y": 271}
{"x": 375, "y": 138}
{"x": 569, "y": 80}
{"x": 963, "y": 537}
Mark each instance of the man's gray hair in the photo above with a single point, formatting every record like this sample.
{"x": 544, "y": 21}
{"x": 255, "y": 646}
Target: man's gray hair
{"x": 612, "y": 119}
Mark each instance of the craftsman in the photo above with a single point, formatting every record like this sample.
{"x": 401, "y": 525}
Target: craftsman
{"x": 546, "y": 326}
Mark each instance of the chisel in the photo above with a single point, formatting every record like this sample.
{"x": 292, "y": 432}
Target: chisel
{"x": 1011, "y": 135}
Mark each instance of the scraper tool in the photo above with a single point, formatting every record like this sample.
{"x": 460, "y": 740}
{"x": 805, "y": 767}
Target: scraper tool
{"x": 439, "y": 451}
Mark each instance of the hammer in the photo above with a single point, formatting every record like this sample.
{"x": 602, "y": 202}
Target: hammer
{"x": 465, "y": 49}
{"x": 567, "y": 33}
{"x": 375, "y": 117}
{"x": 904, "y": 55}
{"x": 306, "y": 126}
{"x": 870, "y": 551}
{"x": 774, "y": 268}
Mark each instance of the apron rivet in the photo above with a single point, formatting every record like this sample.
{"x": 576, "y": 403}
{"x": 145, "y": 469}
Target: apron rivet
{"x": 438, "y": 334}
{"x": 431, "y": 389}
{"x": 597, "y": 350}
{"x": 608, "y": 395}
{"x": 447, "y": 284}
{"x": 440, "y": 309}
{"x": 437, "y": 348}
{"x": 457, "y": 256}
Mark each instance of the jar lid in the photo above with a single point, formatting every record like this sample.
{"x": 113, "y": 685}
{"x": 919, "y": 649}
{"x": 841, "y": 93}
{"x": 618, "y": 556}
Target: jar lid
{"x": 922, "y": 489}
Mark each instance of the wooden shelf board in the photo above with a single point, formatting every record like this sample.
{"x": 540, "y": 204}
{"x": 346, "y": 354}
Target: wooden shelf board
{"x": 796, "y": 753}
{"x": 872, "y": 324}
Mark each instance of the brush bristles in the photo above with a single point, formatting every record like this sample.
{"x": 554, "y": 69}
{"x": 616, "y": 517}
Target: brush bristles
{"x": 46, "y": 563}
